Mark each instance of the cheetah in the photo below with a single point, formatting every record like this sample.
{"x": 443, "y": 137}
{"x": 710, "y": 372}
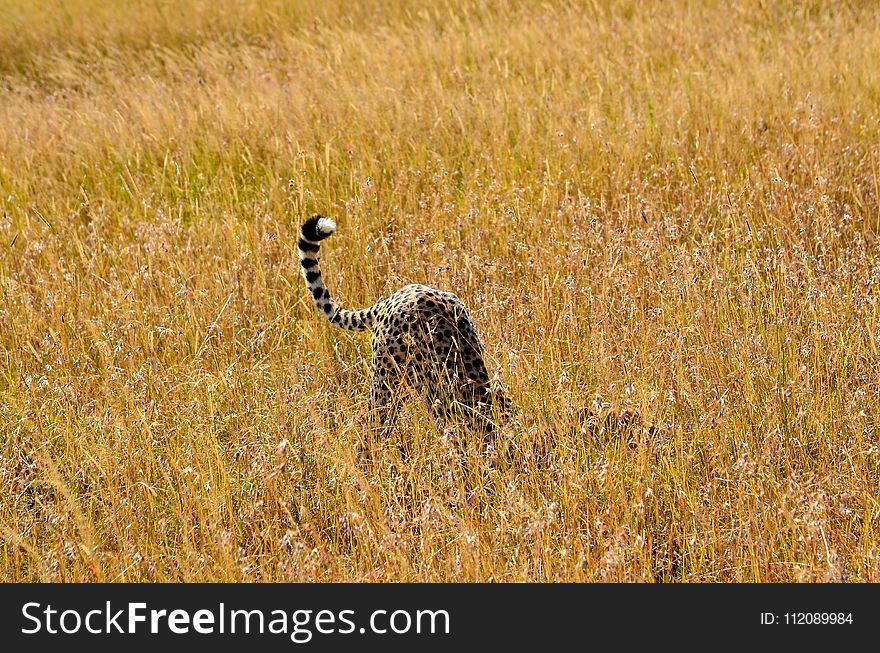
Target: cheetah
{"x": 421, "y": 337}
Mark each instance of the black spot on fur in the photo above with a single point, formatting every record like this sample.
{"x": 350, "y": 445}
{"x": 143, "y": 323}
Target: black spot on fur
{"x": 313, "y": 276}
{"x": 317, "y": 292}
{"x": 308, "y": 263}
{"x": 328, "y": 308}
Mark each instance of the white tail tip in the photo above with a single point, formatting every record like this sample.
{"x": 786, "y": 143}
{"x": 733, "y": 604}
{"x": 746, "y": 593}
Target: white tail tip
{"x": 326, "y": 227}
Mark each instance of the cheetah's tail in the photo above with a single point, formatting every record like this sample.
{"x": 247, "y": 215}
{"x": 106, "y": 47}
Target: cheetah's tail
{"x": 312, "y": 232}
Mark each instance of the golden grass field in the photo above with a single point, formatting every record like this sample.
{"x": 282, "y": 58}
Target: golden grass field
{"x": 672, "y": 206}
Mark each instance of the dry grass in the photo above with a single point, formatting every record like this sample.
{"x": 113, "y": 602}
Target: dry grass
{"x": 672, "y": 205}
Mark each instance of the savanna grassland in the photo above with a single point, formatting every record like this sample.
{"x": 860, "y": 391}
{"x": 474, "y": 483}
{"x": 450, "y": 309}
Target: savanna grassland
{"x": 669, "y": 207}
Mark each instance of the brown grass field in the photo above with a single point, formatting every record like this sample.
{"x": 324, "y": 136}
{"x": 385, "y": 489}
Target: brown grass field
{"x": 671, "y": 206}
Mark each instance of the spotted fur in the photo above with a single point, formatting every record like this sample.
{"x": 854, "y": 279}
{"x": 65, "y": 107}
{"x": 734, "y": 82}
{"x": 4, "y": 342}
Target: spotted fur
{"x": 420, "y": 336}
